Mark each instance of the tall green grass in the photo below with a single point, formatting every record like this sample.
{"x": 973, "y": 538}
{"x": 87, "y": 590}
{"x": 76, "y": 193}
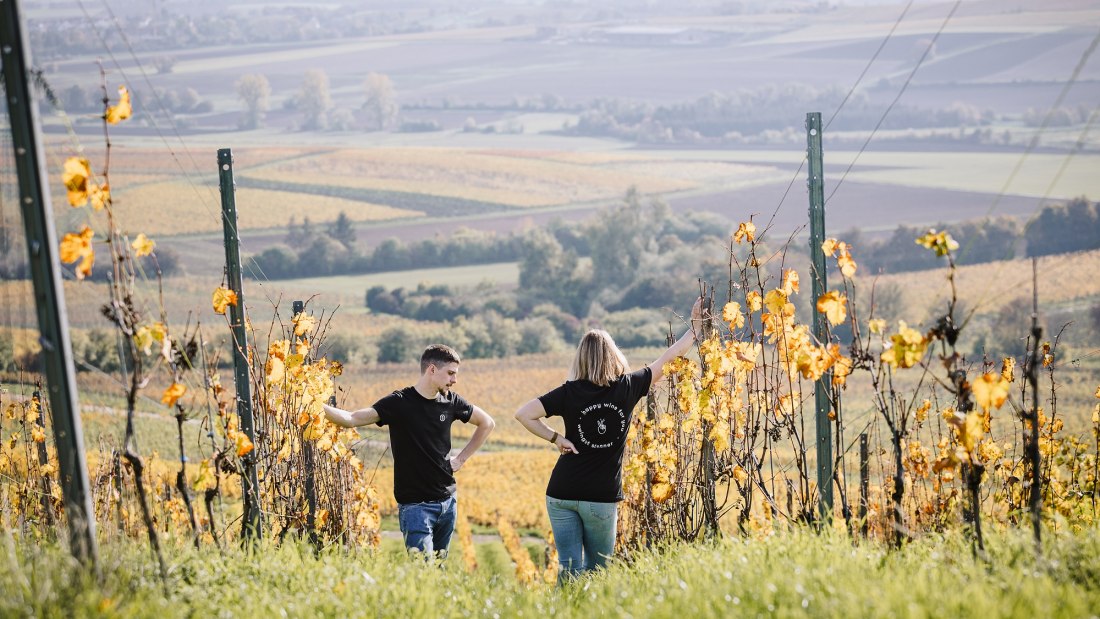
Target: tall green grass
{"x": 794, "y": 574}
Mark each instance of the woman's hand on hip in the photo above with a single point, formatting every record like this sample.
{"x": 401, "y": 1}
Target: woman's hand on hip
{"x": 565, "y": 445}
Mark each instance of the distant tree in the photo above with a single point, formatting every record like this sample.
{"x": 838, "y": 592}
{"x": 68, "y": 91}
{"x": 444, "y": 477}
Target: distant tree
{"x": 381, "y": 102}
{"x": 7, "y": 352}
{"x": 314, "y": 100}
{"x": 1064, "y": 228}
{"x": 74, "y": 99}
{"x": 7, "y": 236}
{"x": 623, "y": 239}
{"x": 164, "y": 64}
{"x": 342, "y": 119}
{"x": 277, "y": 262}
{"x": 396, "y": 345}
{"x": 342, "y": 230}
{"x": 323, "y": 256}
{"x": 1010, "y": 328}
{"x": 188, "y": 99}
{"x": 293, "y": 233}
{"x": 549, "y": 273}
{"x": 254, "y": 90}
{"x": 170, "y": 99}
{"x": 383, "y": 301}
{"x": 344, "y": 347}
{"x": 1094, "y": 322}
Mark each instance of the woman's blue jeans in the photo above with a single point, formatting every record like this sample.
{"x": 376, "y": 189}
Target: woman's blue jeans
{"x": 428, "y": 526}
{"x": 584, "y": 532}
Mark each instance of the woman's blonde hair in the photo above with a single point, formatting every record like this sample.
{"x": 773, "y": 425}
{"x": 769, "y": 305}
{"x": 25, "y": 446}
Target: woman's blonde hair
{"x": 598, "y": 359}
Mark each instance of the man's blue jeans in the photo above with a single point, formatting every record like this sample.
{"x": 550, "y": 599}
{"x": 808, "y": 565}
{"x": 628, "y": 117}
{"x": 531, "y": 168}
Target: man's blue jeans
{"x": 428, "y": 526}
{"x": 584, "y": 532}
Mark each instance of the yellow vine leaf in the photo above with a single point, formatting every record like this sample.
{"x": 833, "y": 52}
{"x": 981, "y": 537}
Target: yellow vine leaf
{"x": 101, "y": 196}
{"x": 223, "y": 298}
{"x": 302, "y": 347}
{"x": 834, "y": 305}
{"x": 303, "y": 324}
{"x": 939, "y": 242}
{"x": 776, "y": 301}
{"x": 906, "y": 347}
{"x": 790, "y": 282}
{"x": 844, "y": 260}
{"x": 745, "y": 231}
{"x": 244, "y": 445}
{"x": 841, "y": 369}
{"x": 142, "y": 245}
{"x": 731, "y": 313}
{"x": 1008, "y": 364}
{"x": 829, "y": 247}
{"x": 118, "y": 113}
{"x": 753, "y": 301}
{"x": 143, "y": 339}
{"x": 275, "y": 370}
{"x": 172, "y": 394}
{"x": 922, "y": 410}
{"x": 38, "y": 434}
{"x": 146, "y": 336}
{"x": 970, "y": 432}
{"x": 207, "y": 478}
{"x": 79, "y": 247}
{"x": 876, "y": 325}
{"x": 77, "y": 179}
{"x": 785, "y": 406}
{"x": 1097, "y": 392}
{"x": 990, "y": 391}
{"x": 662, "y": 492}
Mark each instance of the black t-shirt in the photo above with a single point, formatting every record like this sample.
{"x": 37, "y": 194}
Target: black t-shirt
{"x": 420, "y": 437}
{"x": 596, "y": 421}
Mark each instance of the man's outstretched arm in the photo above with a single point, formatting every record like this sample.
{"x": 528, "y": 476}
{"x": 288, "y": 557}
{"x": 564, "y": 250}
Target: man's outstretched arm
{"x": 485, "y": 425}
{"x": 351, "y": 419}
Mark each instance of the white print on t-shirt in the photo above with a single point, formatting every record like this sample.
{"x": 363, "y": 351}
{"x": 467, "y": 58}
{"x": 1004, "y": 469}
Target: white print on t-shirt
{"x": 596, "y": 417}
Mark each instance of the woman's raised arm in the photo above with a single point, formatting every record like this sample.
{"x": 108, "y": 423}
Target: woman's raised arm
{"x": 680, "y": 346}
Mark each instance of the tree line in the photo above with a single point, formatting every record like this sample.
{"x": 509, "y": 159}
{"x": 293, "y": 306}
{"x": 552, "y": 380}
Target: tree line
{"x": 733, "y": 116}
{"x": 1058, "y": 228}
{"x": 618, "y": 269}
{"x": 310, "y": 251}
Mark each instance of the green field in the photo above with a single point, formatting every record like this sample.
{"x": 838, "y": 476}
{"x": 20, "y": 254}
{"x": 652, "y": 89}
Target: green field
{"x": 790, "y": 574}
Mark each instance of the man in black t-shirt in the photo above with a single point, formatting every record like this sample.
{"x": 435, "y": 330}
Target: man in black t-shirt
{"x": 419, "y": 419}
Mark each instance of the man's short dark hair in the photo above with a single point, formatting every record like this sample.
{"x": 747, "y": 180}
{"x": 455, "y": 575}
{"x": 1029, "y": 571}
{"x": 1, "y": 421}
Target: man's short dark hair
{"x": 438, "y": 355}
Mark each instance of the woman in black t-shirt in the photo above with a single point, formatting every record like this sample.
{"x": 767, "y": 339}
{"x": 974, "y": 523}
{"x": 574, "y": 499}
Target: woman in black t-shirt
{"x": 596, "y": 404}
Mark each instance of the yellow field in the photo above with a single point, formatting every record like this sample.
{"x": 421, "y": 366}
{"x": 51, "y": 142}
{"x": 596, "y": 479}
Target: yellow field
{"x": 495, "y": 485}
{"x": 181, "y": 208}
{"x": 200, "y": 165}
{"x": 469, "y": 174}
{"x": 499, "y": 386}
{"x": 988, "y": 287}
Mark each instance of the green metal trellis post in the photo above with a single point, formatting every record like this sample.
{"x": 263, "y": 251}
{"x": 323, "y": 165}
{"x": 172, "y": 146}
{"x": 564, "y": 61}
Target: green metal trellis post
{"x": 252, "y": 526}
{"x": 49, "y": 298}
{"x": 822, "y": 390}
